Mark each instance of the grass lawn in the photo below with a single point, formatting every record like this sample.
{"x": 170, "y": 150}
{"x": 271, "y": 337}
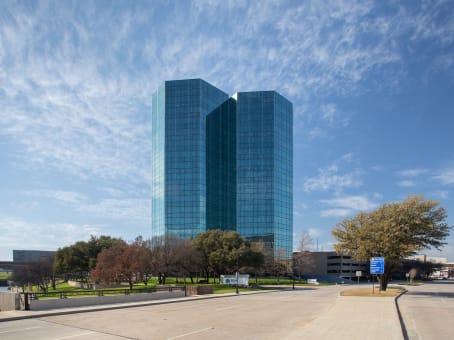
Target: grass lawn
{"x": 224, "y": 289}
{"x": 390, "y": 292}
{"x": 5, "y": 275}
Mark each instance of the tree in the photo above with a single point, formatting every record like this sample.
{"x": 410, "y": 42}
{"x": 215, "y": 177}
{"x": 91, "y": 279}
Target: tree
{"x": 305, "y": 241}
{"x": 164, "y": 252}
{"x": 219, "y": 250}
{"x": 40, "y": 273}
{"x": 76, "y": 261}
{"x": 394, "y": 231}
{"x": 252, "y": 258}
{"x": 302, "y": 260}
{"x": 122, "y": 263}
{"x": 108, "y": 268}
{"x": 144, "y": 261}
{"x": 188, "y": 260}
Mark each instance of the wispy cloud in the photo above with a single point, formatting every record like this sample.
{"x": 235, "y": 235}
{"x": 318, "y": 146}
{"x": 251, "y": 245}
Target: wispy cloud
{"x": 441, "y": 194}
{"x": 129, "y": 210}
{"x": 331, "y": 177}
{"x": 19, "y": 234}
{"x": 346, "y": 205}
{"x": 63, "y": 196}
{"x": 406, "y": 184}
{"x": 75, "y": 74}
{"x": 446, "y": 176}
{"x": 412, "y": 172}
{"x": 410, "y": 177}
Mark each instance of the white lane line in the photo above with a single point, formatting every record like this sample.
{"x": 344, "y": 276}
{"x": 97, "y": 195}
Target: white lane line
{"x": 225, "y": 308}
{"x": 73, "y": 336}
{"x": 19, "y": 330}
{"x": 190, "y": 333}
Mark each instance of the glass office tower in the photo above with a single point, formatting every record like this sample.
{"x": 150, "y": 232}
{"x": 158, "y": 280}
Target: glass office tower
{"x": 222, "y": 163}
{"x": 179, "y": 110}
{"x": 221, "y": 167}
{"x": 265, "y": 170}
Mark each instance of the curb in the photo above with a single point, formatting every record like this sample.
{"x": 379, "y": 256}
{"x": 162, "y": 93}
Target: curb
{"x": 399, "y": 313}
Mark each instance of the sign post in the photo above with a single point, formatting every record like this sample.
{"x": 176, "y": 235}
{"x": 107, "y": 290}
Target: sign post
{"x": 358, "y": 275}
{"x": 377, "y": 267}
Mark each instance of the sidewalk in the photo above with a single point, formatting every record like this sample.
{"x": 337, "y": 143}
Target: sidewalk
{"x": 353, "y": 318}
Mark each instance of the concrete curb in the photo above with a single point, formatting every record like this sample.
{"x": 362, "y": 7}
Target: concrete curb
{"x": 88, "y": 309}
{"x": 399, "y": 313}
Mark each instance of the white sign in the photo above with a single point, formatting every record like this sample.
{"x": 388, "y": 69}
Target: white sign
{"x": 243, "y": 280}
{"x": 358, "y": 273}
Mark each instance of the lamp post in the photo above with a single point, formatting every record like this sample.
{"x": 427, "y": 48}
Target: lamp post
{"x": 293, "y": 273}
{"x": 237, "y": 273}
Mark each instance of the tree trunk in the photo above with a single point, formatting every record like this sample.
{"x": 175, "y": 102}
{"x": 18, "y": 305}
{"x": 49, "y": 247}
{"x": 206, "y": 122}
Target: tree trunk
{"x": 383, "y": 279}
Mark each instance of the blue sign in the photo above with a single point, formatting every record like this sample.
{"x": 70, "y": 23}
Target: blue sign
{"x": 377, "y": 265}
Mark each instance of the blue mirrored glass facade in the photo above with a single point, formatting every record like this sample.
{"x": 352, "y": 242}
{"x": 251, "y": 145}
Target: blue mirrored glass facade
{"x": 222, "y": 163}
{"x": 265, "y": 170}
{"x": 179, "y": 111}
{"x": 221, "y": 167}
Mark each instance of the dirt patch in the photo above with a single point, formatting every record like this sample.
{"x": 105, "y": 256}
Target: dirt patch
{"x": 390, "y": 292}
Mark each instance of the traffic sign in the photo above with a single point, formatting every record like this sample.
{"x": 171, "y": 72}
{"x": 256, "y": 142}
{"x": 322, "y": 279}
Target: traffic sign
{"x": 377, "y": 265}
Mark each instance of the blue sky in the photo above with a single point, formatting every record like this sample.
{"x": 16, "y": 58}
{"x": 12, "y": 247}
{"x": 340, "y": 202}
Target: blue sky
{"x": 372, "y": 84}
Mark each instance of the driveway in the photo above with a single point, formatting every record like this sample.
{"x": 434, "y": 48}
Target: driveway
{"x": 428, "y": 310}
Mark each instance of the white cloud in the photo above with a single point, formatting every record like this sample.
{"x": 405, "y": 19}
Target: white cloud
{"x": 339, "y": 212}
{"x": 20, "y": 234}
{"x": 330, "y": 178}
{"x": 346, "y": 205}
{"x": 446, "y": 176}
{"x": 412, "y": 172}
{"x": 406, "y": 183}
{"x": 441, "y": 194}
{"x": 129, "y": 210}
{"x": 63, "y": 196}
{"x": 90, "y": 79}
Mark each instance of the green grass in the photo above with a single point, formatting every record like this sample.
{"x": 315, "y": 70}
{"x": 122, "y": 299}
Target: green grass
{"x": 225, "y": 289}
{"x": 5, "y": 275}
{"x": 65, "y": 287}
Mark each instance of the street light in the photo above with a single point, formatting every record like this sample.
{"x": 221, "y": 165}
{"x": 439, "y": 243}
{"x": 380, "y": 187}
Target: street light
{"x": 237, "y": 272}
{"x": 293, "y": 273}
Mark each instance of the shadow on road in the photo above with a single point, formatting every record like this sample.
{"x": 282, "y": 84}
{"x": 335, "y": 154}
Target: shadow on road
{"x": 432, "y": 294}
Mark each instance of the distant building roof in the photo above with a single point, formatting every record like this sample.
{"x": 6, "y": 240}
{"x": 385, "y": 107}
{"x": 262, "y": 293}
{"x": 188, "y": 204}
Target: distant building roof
{"x": 31, "y": 255}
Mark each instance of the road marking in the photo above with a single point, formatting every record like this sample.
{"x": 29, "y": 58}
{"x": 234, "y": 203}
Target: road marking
{"x": 190, "y": 333}
{"x": 225, "y": 308}
{"x": 74, "y": 336}
{"x": 20, "y": 330}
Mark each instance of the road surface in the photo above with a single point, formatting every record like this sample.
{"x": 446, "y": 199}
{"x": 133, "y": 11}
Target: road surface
{"x": 268, "y": 315}
{"x": 428, "y": 310}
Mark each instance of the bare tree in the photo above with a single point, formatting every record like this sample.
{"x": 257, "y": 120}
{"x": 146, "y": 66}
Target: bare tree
{"x": 305, "y": 241}
{"x": 40, "y": 273}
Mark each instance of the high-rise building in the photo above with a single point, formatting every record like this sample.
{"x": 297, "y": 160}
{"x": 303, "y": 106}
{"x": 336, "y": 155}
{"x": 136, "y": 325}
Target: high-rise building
{"x": 179, "y": 110}
{"x": 265, "y": 170}
{"x": 222, "y": 163}
{"x": 221, "y": 167}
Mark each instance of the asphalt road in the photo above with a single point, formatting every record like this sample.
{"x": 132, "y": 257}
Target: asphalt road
{"x": 428, "y": 310}
{"x": 269, "y": 315}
